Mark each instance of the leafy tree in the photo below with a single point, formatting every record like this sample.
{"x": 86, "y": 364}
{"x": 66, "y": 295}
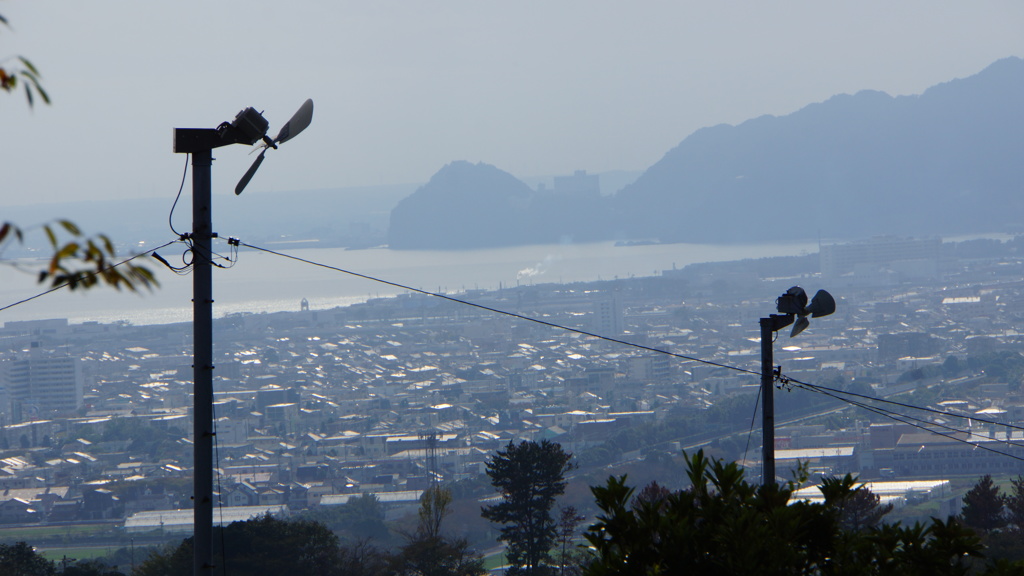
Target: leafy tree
{"x": 434, "y": 506}
{"x": 858, "y": 507}
{"x": 983, "y": 505}
{"x": 90, "y": 568}
{"x": 725, "y": 526}
{"x": 653, "y": 493}
{"x": 427, "y": 552}
{"x": 363, "y": 559}
{"x": 20, "y": 559}
{"x": 1015, "y": 503}
{"x": 570, "y": 558}
{"x": 529, "y": 476}
{"x": 998, "y": 366}
{"x": 263, "y": 546}
{"x": 361, "y": 518}
{"x": 435, "y": 556}
{"x": 951, "y": 367}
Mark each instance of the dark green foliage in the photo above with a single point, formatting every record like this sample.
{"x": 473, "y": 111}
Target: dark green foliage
{"x": 529, "y": 476}
{"x": 144, "y": 437}
{"x": 858, "y": 508}
{"x": 363, "y": 559}
{"x": 571, "y": 558}
{"x": 951, "y": 367}
{"x": 723, "y": 525}
{"x": 930, "y": 371}
{"x": 728, "y": 415}
{"x": 361, "y": 518}
{"x": 437, "y": 556}
{"x": 998, "y": 366}
{"x": 998, "y": 519}
{"x": 264, "y": 546}
{"x": 1005, "y": 544}
{"x": 120, "y": 559}
{"x": 427, "y": 551}
{"x": 983, "y": 505}
{"x": 1015, "y": 503}
{"x": 20, "y": 559}
{"x": 91, "y": 568}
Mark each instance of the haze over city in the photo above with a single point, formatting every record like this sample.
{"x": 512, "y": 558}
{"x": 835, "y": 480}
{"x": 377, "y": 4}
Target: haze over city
{"x": 535, "y": 88}
{"x": 521, "y": 249}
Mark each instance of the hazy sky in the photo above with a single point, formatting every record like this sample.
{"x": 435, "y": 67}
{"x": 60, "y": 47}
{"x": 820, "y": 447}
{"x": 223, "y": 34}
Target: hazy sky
{"x": 402, "y": 88}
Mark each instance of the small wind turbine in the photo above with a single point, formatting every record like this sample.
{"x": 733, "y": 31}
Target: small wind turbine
{"x": 298, "y": 122}
{"x": 248, "y": 127}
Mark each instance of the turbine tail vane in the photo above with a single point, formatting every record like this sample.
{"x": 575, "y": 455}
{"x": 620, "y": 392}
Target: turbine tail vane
{"x": 296, "y": 124}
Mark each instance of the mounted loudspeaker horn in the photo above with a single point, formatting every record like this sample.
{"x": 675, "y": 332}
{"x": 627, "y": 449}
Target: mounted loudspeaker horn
{"x": 799, "y": 326}
{"x": 793, "y": 304}
{"x": 822, "y": 304}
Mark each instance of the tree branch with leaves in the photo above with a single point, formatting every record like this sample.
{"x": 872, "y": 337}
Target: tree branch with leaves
{"x": 80, "y": 262}
{"x": 22, "y": 72}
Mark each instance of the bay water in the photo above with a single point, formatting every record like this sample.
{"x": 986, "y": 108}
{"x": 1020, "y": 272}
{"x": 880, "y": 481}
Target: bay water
{"x": 263, "y": 282}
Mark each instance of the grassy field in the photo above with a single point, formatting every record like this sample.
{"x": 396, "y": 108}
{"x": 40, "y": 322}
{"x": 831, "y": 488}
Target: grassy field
{"x": 30, "y": 533}
{"x": 77, "y": 552}
{"x": 494, "y": 560}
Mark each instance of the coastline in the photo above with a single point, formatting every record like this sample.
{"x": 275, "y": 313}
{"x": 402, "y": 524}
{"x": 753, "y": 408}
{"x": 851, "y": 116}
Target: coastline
{"x": 260, "y": 282}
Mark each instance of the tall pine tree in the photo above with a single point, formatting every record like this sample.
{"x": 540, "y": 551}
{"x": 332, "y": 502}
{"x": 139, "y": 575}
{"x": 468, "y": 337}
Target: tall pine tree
{"x": 983, "y": 505}
{"x": 529, "y": 476}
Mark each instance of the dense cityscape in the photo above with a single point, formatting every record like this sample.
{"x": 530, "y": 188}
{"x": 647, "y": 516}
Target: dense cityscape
{"x": 317, "y": 407}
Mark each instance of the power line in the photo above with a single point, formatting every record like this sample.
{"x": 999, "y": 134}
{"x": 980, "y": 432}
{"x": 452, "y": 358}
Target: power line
{"x": 170, "y": 215}
{"x": 896, "y": 416}
{"x": 877, "y": 410}
{"x": 904, "y": 405}
{"x": 499, "y": 311}
{"x": 88, "y": 275}
{"x": 831, "y": 392}
{"x": 753, "y": 415}
{"x": 810, "y": 387}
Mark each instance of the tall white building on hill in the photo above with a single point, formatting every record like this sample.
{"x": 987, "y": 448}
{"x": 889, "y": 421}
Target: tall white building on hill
{"x": 41, "y": 384}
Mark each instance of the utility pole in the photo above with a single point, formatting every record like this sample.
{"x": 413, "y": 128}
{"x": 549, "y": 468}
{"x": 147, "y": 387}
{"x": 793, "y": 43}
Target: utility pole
{"x": 200, "y": 142}
{"x": 767, "y": 402}
{"x": 248, "y": 127}
{"x": 792, "y": 306}
{"x": 202, "y": 361}
{"x": 202, "y": 346}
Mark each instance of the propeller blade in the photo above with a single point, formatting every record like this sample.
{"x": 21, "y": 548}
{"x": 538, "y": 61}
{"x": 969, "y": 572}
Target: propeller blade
{"x": 250, "y": 172}
{"x": 297, "y": 124}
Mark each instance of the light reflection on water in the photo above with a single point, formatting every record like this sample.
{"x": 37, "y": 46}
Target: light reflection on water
{"x": 263, "y": 282}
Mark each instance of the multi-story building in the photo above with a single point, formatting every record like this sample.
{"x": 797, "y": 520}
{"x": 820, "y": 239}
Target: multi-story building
{"x": 910, "y": 257}
{"x": 42, "y": 383}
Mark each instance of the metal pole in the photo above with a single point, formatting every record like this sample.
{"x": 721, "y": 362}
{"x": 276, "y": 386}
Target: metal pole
{"x": 202, "y": 367}
{"x": 767, "y": 403}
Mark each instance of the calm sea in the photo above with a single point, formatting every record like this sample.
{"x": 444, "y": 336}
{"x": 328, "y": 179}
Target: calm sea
{"x": 262, "y": 282}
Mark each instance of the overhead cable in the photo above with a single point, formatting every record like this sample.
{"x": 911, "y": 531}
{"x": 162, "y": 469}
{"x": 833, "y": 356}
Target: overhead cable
{"x": 89, "y": 275}
{"x": 499, "y": 311}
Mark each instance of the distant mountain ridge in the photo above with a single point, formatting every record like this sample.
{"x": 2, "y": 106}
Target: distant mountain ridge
{"x": 947, "y": 161}
{"x": 469, "y": 205}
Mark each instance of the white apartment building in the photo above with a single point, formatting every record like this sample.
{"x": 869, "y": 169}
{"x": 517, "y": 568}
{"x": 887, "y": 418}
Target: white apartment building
{"x": 41, "y": 383}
